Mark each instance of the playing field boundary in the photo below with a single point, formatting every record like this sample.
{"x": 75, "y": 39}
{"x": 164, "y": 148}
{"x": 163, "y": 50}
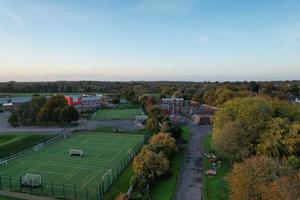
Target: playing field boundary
{"x": 72, "y": 191}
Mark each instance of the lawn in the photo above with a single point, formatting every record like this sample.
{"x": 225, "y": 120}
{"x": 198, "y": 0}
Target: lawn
{"x": 116, "y": 113}
{"x": 105, "y": 156}
{"x": 215, "y": 187}
{"x": 16, "y": 142}
{"x": 165, "y": 189}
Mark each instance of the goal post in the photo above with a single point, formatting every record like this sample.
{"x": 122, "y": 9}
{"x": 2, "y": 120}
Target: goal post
{"x": 39, "y": 147}
{"x": 3, "y": 162}
{"x": 107, "y": 176}
{"x": 31, "y": 180}
{"x": 130, "y": 154}
{"x": 76, "y": 152}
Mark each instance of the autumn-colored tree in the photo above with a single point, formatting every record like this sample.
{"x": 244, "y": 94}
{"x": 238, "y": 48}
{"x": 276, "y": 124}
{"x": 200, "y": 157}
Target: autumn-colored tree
{"x": 232, "y": 142}
{"x": 249, "y": 179}
{"x": 152, "y": 124}
{"x": 250, "y": 117}
{"x": 150, "y": 164}
{"x": 280, "y": 139}
{"x": 284, "y": 188}
{"x": 122, "y": 196}
{"x": 164, "y": 142}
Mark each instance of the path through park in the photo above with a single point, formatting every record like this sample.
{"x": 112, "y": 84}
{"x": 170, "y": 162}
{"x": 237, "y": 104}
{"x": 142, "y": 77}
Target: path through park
{"x": 190, "y": 183}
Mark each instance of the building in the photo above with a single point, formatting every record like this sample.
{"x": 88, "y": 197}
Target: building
{"x": 172, "y": 106}
{"x": 73, "y": 101}
{"x": 202, "y": 119}
{"x": 87, "y": 101}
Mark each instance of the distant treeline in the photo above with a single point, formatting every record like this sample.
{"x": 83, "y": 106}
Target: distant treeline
{"x": 214, "y": 93}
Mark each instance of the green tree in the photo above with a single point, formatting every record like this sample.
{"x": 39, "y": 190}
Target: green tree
{"x": 280, "y": 139}
{"x": 14, "y": 119}
{"x": 251, "y": 115}
{"x": 69, "y": 114}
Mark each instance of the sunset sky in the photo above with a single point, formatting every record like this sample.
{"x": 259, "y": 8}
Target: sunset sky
{"x": 192, "y": 40}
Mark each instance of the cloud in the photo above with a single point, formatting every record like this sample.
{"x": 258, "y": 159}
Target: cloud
{"x": 201, "y": 39}
{"x": 15, "y": 18}
{"x": 173, "y": 7}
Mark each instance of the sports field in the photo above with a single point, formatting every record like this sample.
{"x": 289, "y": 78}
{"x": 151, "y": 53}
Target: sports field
{"x": 74, "y": 176}
{"x": 116, "y": 113}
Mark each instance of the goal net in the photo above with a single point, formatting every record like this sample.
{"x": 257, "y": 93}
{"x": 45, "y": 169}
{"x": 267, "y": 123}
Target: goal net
{"x": 3, "y": 162}
{"x": 76, "y": 152}
{"x": 32, "y": 180}
{"x": 39, "y": 147}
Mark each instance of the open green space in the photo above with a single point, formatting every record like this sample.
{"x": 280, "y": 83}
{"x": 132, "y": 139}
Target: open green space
{"x": 117, "y": 113}
{"x": 165, "y": 189}
{"x": 215, "y": 187}
{"x": 16, "y": 142}
{"x": 64, "y": 176}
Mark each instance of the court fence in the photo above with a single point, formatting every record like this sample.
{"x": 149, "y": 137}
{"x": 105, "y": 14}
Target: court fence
{"x": 73, "y": 192}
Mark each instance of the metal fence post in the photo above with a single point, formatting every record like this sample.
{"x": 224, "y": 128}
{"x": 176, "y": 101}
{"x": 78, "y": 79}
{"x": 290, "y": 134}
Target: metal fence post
{"x": 20, "y": 184}
{"x": 75, "y": 191}
{"x": 64, "y": 191}
{"x": 42, "y": 187}
{"x": 31, "y": 186}
{"x": 52, "y": 190}
{"x": 0, "y": 182}
{"x": 87, "y": 194}
{"x": 10, "y": 183}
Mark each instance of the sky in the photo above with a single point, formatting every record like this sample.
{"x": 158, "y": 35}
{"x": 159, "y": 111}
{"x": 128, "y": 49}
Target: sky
{"x": 123, "y": 40}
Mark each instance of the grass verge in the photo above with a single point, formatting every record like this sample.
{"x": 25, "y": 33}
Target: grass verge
{"x": 165, "y": 189}
{"x": 215, "y": 187}
{"x": 121, "y": 185}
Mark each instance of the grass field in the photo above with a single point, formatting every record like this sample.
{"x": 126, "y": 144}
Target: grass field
{"x": 215, "y": 187}
{"x": 110, "y": 114}
{"x": 102, "y": 152}
{"x": 16, "y": 142}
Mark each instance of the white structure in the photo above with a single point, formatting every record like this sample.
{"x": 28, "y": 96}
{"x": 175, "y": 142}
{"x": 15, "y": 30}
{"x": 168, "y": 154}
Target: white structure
{"x": 91, "y": 100}
{"x": 3, "y": 162}
{"x": 78, "y": 152}
{"x": 31, "y": 180}
{"x": 297, "y": 100}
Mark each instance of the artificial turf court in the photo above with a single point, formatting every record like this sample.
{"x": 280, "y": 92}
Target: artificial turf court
{"x": 117, "y": 113}
{"x": 102, "y": 152}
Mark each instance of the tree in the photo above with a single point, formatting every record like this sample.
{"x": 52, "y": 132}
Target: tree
{"x": 173, "y": 129}
{"x": 152, "y": 124}
{"x": 251, "y": 115}
{"x": 249, "y": 179}
{"x": 164, "y": 142}
{"x": 150, "y": 164}
{"x": 14, "y": 119}
{"x": 280, "y": 139}
{"x": 115, "y": 100}
{"x": 69, "y": 114}
{"x": 122, "y": 196}
{"x": 284, "y": 188}
{"x": 231, "y": 141}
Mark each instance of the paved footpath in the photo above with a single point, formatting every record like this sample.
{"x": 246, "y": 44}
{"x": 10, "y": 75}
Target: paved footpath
{"x": 190, "y": 185}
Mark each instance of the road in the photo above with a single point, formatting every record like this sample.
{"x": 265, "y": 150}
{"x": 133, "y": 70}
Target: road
{"x": 190, "y": 183}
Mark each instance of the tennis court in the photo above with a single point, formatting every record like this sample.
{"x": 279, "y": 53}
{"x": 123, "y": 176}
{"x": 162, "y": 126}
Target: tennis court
{"x": 105, "y": 156}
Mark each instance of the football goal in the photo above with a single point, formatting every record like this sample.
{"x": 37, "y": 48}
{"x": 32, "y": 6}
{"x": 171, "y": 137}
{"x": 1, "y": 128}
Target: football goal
{"x": 3, "y": 162}
{"x": 130, "y": 154}
{"x": 39, "y": 147}
{"x": 108, "y": 173}
{"x": 31, "y": 180}
{"x": 76, "y": 152}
